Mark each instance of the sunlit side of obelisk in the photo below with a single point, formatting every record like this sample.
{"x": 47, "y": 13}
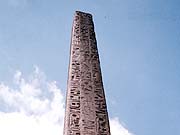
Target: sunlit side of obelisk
{"x": 86, "y": 111}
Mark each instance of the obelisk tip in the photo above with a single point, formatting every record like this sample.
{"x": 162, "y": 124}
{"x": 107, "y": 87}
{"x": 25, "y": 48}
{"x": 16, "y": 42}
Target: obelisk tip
{"x": 82, "y": 13}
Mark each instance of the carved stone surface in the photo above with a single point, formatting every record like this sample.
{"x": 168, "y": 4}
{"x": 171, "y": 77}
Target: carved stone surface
{"x": 86, "y": 111}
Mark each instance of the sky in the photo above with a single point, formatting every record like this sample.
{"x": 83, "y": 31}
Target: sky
{"x": 138, "y": 43}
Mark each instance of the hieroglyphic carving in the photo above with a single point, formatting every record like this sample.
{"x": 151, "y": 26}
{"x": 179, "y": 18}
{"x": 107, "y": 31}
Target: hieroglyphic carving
{"x": 72, "y": 118}
{"x": 88, "y": 116}
{"x": 86, "y": 112}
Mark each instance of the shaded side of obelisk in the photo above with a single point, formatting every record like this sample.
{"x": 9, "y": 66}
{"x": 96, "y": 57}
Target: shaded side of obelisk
{"x": 86, "y": 111}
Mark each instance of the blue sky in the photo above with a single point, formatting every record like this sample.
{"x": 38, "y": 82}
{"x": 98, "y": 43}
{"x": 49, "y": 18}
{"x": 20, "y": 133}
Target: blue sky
{"x": 138, "y": 43}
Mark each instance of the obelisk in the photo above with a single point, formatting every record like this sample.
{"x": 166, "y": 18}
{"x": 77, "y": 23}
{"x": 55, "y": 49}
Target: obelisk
{"x": 86, "y": 111}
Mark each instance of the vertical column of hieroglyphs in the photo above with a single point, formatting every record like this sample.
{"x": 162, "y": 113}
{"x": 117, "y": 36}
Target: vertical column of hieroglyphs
{"x": 102, "y": 120}
{"x": 72, "y": 116}
{"x": 88, "y": 116}
{"x": 96, "y": 121}
{"x": 86, "y": 112}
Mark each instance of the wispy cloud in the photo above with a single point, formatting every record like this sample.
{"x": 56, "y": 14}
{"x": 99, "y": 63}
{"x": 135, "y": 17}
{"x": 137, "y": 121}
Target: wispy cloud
{"x": 36, "y": 106}
{"x": 117, "y": 128}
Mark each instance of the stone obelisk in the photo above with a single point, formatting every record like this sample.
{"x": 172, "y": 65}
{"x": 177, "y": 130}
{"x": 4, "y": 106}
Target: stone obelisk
{"x": 86, "y": 111}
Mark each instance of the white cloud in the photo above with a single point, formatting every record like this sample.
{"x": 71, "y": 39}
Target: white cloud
{"x": 117, "y": 128}
{"x": 36, "y": 106}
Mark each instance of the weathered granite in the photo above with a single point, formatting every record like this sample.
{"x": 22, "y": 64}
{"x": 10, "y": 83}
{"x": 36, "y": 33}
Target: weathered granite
{"x": 86, "y": 111}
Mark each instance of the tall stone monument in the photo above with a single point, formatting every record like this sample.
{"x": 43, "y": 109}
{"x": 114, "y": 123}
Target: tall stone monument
{"x": 86, "y": 111}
